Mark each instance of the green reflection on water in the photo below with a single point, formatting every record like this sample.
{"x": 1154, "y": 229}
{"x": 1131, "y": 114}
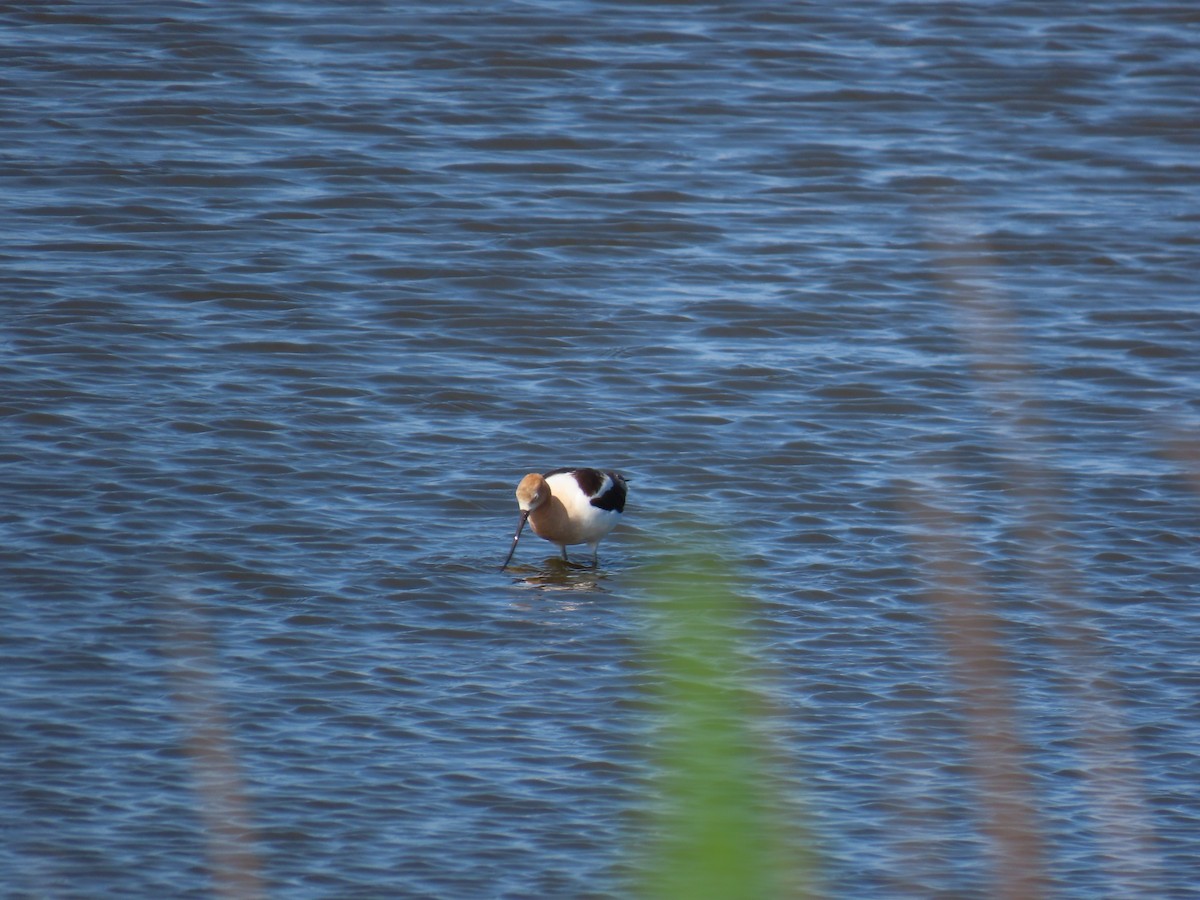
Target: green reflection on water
{"x": 718, "y": 831}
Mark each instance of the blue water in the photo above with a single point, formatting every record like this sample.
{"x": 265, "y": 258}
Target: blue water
{"x": 890, "y": 307}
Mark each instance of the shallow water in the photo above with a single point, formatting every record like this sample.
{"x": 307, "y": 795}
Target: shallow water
{"x": 895, "y": 305}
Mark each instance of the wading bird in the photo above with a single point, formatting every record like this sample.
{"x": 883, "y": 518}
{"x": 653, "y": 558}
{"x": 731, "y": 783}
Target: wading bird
{"x": 570, "y": 506}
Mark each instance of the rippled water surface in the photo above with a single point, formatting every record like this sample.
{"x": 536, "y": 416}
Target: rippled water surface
{"x": 894, "y": 303}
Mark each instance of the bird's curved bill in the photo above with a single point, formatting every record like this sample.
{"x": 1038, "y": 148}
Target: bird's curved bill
{"x": 516, "y": 537}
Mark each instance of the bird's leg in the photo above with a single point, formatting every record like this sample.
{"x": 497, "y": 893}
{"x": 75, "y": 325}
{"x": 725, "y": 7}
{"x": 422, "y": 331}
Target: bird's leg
{"x": 570, "y": 564}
